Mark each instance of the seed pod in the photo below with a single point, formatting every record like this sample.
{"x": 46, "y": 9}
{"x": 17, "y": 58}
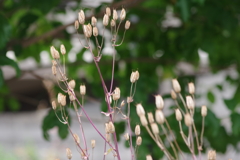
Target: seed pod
{"x": 127, "y": 24}
{"x": 150, "y": 117}
{"x": 76, "y": 138}
{"x": 108, "y": 11}
{"x": 190, "y": 103}
{"x": 54, "y": 63}
{"x": 54, "y": 70}
{"x": 71, "y": 96}
{"x": 137, "y": 130}
{"x": 76, "y": 25}
{"x": 105, "y": 20}
{"x": 188, "y": 120}
{"x": 93, "y": 143}
{"x": 111, "y": 127}
{"x": 108, "y": 137}
{"x": 54, "y": 106}
{"x": 159, "y": 116}
{"x": 176, "y": 86}
{"x": 69, "y": 153}
{"x": 122, "y": 14}
{"x": 63, "y": 100}
{"x": 211, "y": 155}
{"x": 143, "y": 120}
{"x": 126, "y": 136}
{"x": 72, "y": 84}
{"x": 204, "y": 111}
{"x": 159, "y": 102}
{"x": 115, "y": 15}
{"x": 134, "y": 76}
{"x": 173, "y": 95}
{"x": 140, "y": 109}
{"x": 113, "y": 23}
{"x": 87, "y": 30}
{"x": 54, "y": 53}
{"x": 82, "y": 89}
{"x": 191, "y": 88}
{"x": 178, "y": 115}
{"x": 107, "y": 127}
{"x": 81, "y": 17}
{"x": 94, "y": 21}
{"x": 95, "y": 31}
{"x": 149, "y": 157}
{"x": 116, "y": 94}
{"x": 63, "y": 49}
{"x": 139, "y": 140}
{"x": 155, "y": 129}
{"x": 122, "y": 103}
{"x": 59, "y": 97}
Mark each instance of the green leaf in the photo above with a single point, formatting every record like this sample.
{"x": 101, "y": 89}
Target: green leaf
{"x": 235, "y": 119}
{"x": 7, "y": 61}
{"x": 211, "y": 97}
{"x": 13, "y": 104}
{"x": 231, "y": 103}
{"x": 119, "y": 128}
{"x": 184, "y": 9}
{"x": 1, "y": 78}
{"x": 5, "y": 31}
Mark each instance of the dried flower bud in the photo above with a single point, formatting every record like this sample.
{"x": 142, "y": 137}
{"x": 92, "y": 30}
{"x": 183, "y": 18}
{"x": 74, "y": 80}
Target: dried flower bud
{"x": 126, "y": 136}
{"x": 108, "y": 137}
{"x": 129, "y": 99}
{"x": 54, "y": 70}
{"x": 71, "y": 96}
{"x": 82, "y": 89}
{"x": 54, "y": 106}
{"x": 191, "y": 88}
{"x": 87, "y": 30}
{"x": 143, "y": 120}
{"x": 93, "y": 143}
{"x": 211, "y": 155}
{"x": 69, "y": 153}
{"x": 122, "y": 103}
{"x": 81, "y": 17}
{"x": 54, "y": 53}
{"x": 134, "y": 76}
{"x": 149, "y": 157}
{"x": 108, "y": 11}
{"x": 116, "y": 94}
{"x": 150, "y": 117}
{"x": 76, "y": 25}
{"x": 139, "y": 140}
{"x": 107, "y": 127}
{"x": 111, "y": 127}
{"x": 54, "y": 63}
{"x": 140, "y": 109}
{"x": 176, "y": 86}
{"x": 95, "y": 31}
{"x": 63, "y": 49}
{"x": 137, "y": 130}
{"x": 122, "y": 14}
{"x": 76, "y": 138}
{"x": 115, "y": 15}
{"x": 188, "y": 120}
{"x": 105, "y": 20}
{"x": 94, "y": 21}
{"x": 178, "y": 114}
{"x": 190, "y": 103}
{"x": 155, "y": 129}
{"x": 59, "y": 97}
{"x": 173, "y": 95}
{"x": 72, "y": 84}
{"x": 159, "y": 116}
{"x": 204, "y": 111}
{"x": 63, "y": 100}
{"x": 113, "y": 23}
{"x": 127, "y": 24}
{"x": 159, "y": 102}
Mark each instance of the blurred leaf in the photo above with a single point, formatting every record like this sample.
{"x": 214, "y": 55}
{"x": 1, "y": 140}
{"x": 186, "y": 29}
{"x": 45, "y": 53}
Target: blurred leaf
{"x": 1, "y": 78}
{"x": 5, "y": 30}
{"x": 7, "y": 61}
{"x": 119, "y": 128}
{"x": 211, "y": 97}
{"x": 235, "y": 119}
{"x": 231, "y": 103}
{"x": 183, "y": 4}
{"x": 13, "y": 104}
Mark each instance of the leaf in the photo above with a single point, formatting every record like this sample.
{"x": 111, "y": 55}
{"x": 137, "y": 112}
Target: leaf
{"x": 5, "y": 31}
{"x": 1, "y": 78}
{"x": 231, "y": 103}
{"x": 235, "y": 119}
{"x": 119, "y": 128}
{"x": 7, "y": 61}
{"x": 13, "y": 104}
{"x": 184, "y": 9}
{"x": 211, "y": 97}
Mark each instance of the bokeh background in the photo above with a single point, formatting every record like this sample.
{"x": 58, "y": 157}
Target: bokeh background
{"x": 192, "y": 40}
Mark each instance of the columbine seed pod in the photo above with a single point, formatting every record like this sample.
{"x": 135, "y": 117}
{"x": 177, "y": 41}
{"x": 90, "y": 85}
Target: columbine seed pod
{"x": 143, "y": 120}
{"x": 159, "y": 102}
{"x": 178, "y": 114}
{"x": 204, "y": 111}
{"x": 54, "y": 70}
{"x": 140, "y": 109}
{"x": 87, "y": 30}
{"x": 81, "y": 17}
{"x": 155, "y": 129}
{"x": 190, "y": 103}
{"x": 211, "y": 155}
{"x": 105, "y": 20}
{"x": 63, "y": 100}
{"x": 191, "y": 88}
{"x": 150, "y": 117}
{"x": 82, "y": 89}
{"x": 69, "y": 153}
{"x": 93, "y": 21}
{"x": 115, "y": 15}
{"x": 59, "y": 97}
{"x": 76, "y": 25}
{"x": 95, "y": 31}
{"x": 149, "y": 157}
{"x": 134, "y": 76}
{"x": 54, "y": 53}
{"x": 108, "y": 137}
{"x": 126, "y": 136}
{"x": 127, "y": 24}
{"x": 111, "y": 127}
{"x": 72, "y": 84}
{"x": 54, "y": 106}
{"x": 76, "y": 138}
{"x": 122, "y": 14}
{"x": 113, "y": 23}
{"x": 93, "y": 143}
{"x": 116, "y": 94}
{"x": 137, "y": 130}
{"x": 63, "y": 49}
{"x": 71, "y": 96}
{"x": 173, "y": 95}
{"x": 139, "y": 140}
{"x": 176, "y": 86}
{"x": 188, "y": 120}
{"x": 108, "y": 11}
{"x": 159, "y": 116}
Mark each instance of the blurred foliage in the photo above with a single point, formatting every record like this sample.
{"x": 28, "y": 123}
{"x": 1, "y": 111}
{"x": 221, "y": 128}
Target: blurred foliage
{"x": 212, "y": 26}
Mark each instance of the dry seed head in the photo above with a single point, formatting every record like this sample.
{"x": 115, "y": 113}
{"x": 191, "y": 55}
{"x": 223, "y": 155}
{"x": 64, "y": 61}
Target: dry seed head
{"x": 211, "y": 155}
{"x": 69, "y": 153}
{"x": 59, "y": 97}
{"x": 82, "y": 89}
{"x": 54, "y": 53}
{"x": 190, "y": 103}
{"x": 63, "y": 49}
{"x": 93, "y": 21}
{"x": 54, "y": 106}
{"x": 105, "y": 20}
{"x": 150, "y": 117}
{"x": 191, "y": 88}
{"x": 87, "y": 30}
{"x": 126, "y": 136}
{"x": 116, "y": 94}
{"x": 108, "y": 11}
{"x": 137, "y": 130}
{"x": 111, "y": 127}
{"x": 122, "y": 14}
{"x": 178, "y": 114}
{"x": 54, "y": 70}
{"x": 155, "y": 129}
{"x": 95, "y": 31}
{"x": 159, "y": 102}
{"x": 76, "y": 25}
{"x": 76, "y": 138}
{"x": 139, "y": 140}
{"x": 188, "y": 120}
{"x": 149, "y": 157}
{"x": 129, "y": 99}
{"x": 72, "y": 84}
{"x": 134, "y": 76}
{"x": 159, "y": 116}
{"x": 71, "y": 96}
{"x": 127, "y": 24}
{"x": 93, "y": 143}
{"x": 122, "y": 103}
{"x": 176, "y": 86}
{"x": 106, "y": 127}
{"x": 204, "y": 111}
{"x": 113, "y": 23}
{"x": 63, "y": 100}
{"x": 81, "y": 17}
{"x": 54, "y": 63}
{"x": 140, "y": 109}
{"x": 173, "y": 94}
{"x": 108, "y": 137}
{"x": 110, "y": 99}
{"x": 143, "y": 120}
{"x": 115, "y": 15}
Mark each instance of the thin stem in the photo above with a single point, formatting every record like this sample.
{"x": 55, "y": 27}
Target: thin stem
{"x": 130, "y": 131}
{"x": 122, "y": 39}
{"x": 184, "y": 103}
{"x": 202, "y": 132}
{"x": 169, "y": 156}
